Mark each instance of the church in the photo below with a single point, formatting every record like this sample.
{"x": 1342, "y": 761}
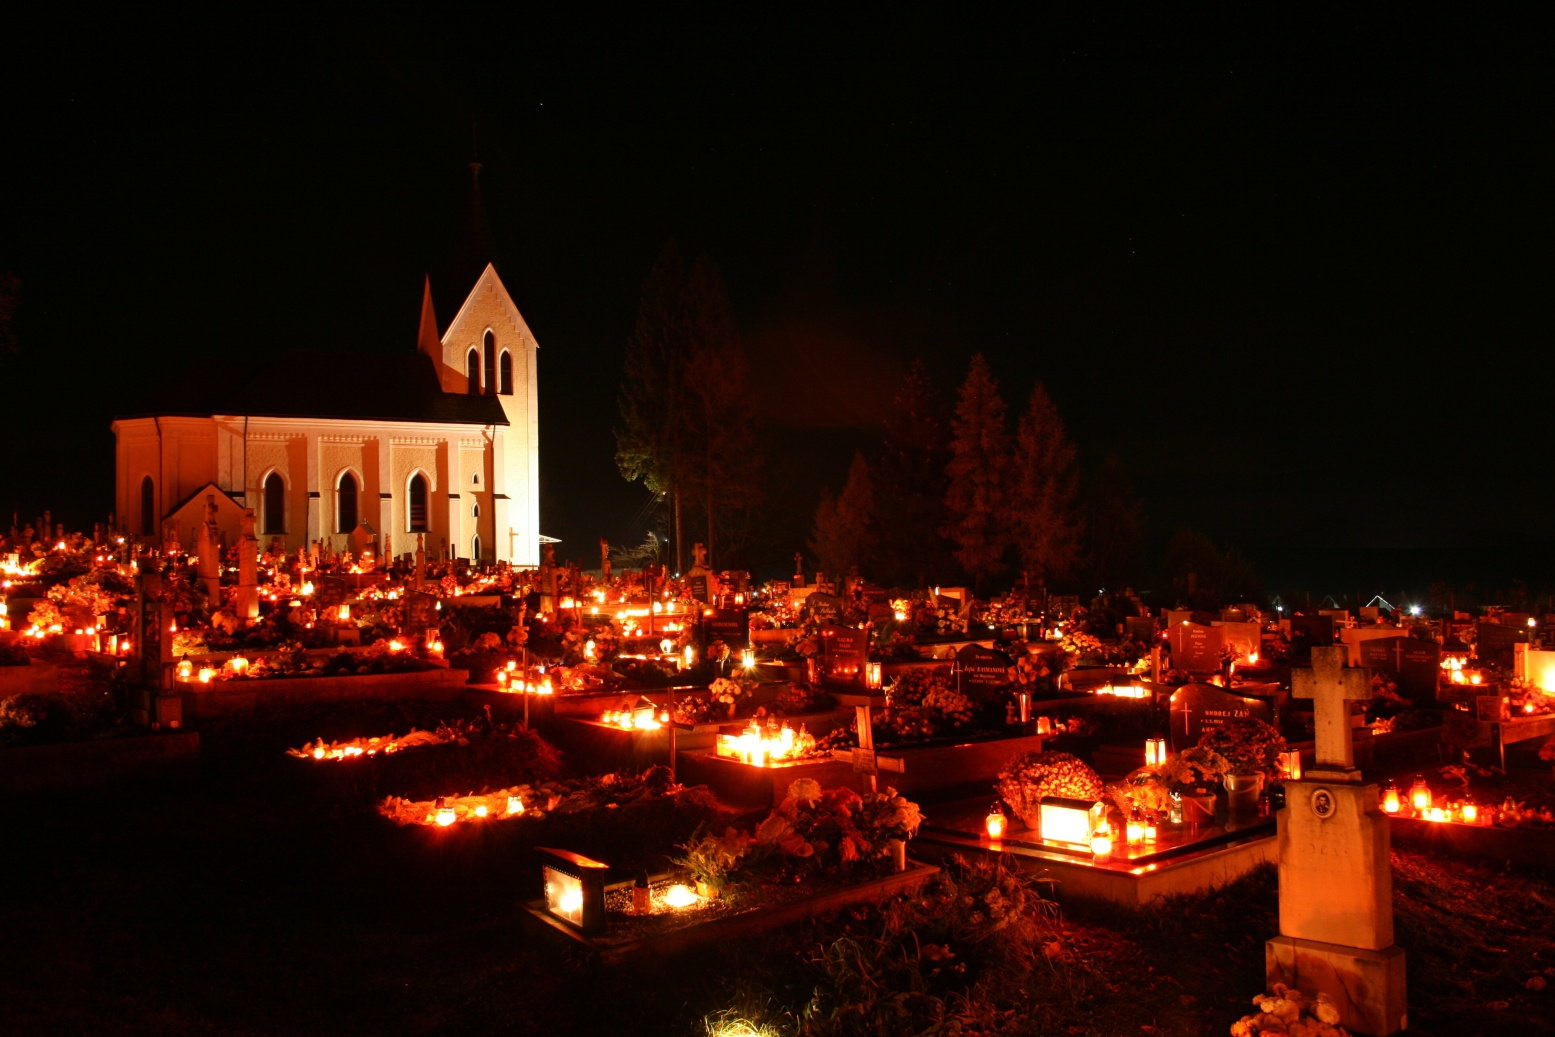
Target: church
{"x": 441, "y": 444}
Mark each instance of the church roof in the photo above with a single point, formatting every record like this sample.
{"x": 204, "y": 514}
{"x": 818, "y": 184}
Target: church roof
{"x": 319, "y": 384}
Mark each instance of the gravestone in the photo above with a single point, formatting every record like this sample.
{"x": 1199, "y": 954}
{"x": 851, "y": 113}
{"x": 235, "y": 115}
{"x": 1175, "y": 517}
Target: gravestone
{"x": 1336, "y": 879}
{"x": 1536, "y": 667}
{"x": 1354, "y": 637}
{"x": 982, "y": 672}
{"x": 1307, "y": 633}
{"x": 1414, "y": 665}
{"x": 1493, "y": 642}
{"x": 699, "y": 589}
{"x": 1195, "y": 708}
{"x": 822, "y": 607}
{"x": 1245, "y": 636}
{"x": 779, "y": 588}
{"x": 731, "y": 626}
{"x": 1341, "y": 617}
{"x": 844, "y": 650}
{"x": 1140, "y": 628}
{"x": 420, "y": 611}
{"x": 1196, "y": 648}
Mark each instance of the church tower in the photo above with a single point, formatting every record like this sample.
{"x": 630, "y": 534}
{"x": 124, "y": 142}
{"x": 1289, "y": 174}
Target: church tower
{"x": 486, "y": 348}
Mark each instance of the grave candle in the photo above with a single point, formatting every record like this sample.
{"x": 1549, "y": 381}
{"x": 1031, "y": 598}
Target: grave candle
{"x": 872, "y": 675}
{"x": 1101, "y": 843}
{"x": 748, "y": 658}
{"x": 1155, "y": 751}
{"x": 1471, "y": 810}
{"x": 1044, "y": 725}
{"x": 1390, "y": 802}
{"x": 995, "y": 822}
{"x": 1420, "y": 796}
{"x": 1290, "y": 765}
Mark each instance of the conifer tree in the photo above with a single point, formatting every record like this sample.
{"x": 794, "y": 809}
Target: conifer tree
{"x": 649, "y": 440}
{"x": 1114, "y": 525}
{"x": 975, "y": 495}
{"x": 844, "y": 525}
{"x": 910, "y": 486}
{"x": 1044, "y": 482}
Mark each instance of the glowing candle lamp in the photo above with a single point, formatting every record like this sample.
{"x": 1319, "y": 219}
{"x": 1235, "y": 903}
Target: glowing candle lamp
{"x": 1390, "y": 800}
{"x": 995, "y": 823}
{"x": 1155, "y": 751}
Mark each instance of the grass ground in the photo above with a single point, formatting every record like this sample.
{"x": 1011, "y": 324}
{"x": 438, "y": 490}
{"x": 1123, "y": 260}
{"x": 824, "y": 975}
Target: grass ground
{"x": 245, "y": 901}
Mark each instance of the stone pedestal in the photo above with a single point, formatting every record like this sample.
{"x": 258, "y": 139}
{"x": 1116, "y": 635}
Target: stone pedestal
{"x": 1366, "y": 986}
{"x": 1336, "y": 878}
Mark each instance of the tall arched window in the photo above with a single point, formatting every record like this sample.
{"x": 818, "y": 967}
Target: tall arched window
{"x": 475, "y": 549}
{"x": 417, "y": 492}
{"x": 273, "y": 495}
{"x": 505, "y": 373}
{"x": 345, "y": 503}
{"x": 472, "y": 368}
{"x": 148, "y": 507}
{"x": 491, "y": 362}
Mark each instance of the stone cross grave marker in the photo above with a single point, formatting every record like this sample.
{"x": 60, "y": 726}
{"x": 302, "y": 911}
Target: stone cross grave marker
{"x": 1336, "y": 878}
{"x": 1332, "y": 686}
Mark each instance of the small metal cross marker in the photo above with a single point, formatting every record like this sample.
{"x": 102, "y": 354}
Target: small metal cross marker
{"x": 1332, "y": 686}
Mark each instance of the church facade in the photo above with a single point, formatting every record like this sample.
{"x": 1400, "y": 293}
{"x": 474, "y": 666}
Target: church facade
{"x": 442, "y": 444}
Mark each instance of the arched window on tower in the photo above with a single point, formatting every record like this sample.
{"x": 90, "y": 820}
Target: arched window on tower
{"x": 273, "y": 495}
{"x": 417, "y": 494}
{"x": 475, "y": 549}
{"x": 345, "y": 503}
{"x": 505, "y": 373}
{"x": 148, "y": 507}
{"x": 491, "y": 362}
{"x": 472, "y": 368}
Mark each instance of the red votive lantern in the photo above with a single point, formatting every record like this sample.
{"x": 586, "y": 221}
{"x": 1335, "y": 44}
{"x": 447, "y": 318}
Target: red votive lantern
{"x": 1390, "y": 802}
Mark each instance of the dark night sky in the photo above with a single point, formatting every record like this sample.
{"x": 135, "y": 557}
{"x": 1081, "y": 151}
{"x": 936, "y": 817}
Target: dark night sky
{"x": 1294, "y": 270}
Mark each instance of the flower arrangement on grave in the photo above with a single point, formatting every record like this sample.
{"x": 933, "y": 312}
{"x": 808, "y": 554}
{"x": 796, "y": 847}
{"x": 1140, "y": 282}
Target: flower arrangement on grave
{"x": 1030, "y": 668}
{"x": 1084, "y": 648}
{"x": 1289, "y": 1011}
{"x": 1527, "y": 699}
{"x": 813, "y": 830}
{"x": 835, "y": 829}
{"x": 921, "y": 705}
{"x": 699, "y": 709}
{"x": 889, "y": 644}
{"x": 717, "y": 653}
{"x": 1248, "y": 746}
{"x": 1030, "y": 776}
{"x": 778, "y": 614}
{"x": 714, "y": 861}
{"x": 729, "y": 692}
{"x": 800, "y": 697}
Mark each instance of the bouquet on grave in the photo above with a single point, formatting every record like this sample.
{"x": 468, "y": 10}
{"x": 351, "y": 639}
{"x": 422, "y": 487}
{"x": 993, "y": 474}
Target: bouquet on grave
{"x": 1248, "y": 745}
{"x": 799, "y": 697}
{"x": 1288, "y": 1011}
{"x": 728, "y": 692}
{"x": 1030, "y": 776}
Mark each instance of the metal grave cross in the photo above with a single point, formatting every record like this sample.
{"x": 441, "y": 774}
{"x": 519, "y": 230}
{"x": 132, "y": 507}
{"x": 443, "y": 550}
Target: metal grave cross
{"x": 1332, "y": 686}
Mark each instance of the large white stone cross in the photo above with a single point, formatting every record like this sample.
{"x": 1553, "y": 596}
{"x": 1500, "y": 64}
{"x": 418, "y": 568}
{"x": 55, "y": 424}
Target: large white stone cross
{"x": 1332, "y": 686}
